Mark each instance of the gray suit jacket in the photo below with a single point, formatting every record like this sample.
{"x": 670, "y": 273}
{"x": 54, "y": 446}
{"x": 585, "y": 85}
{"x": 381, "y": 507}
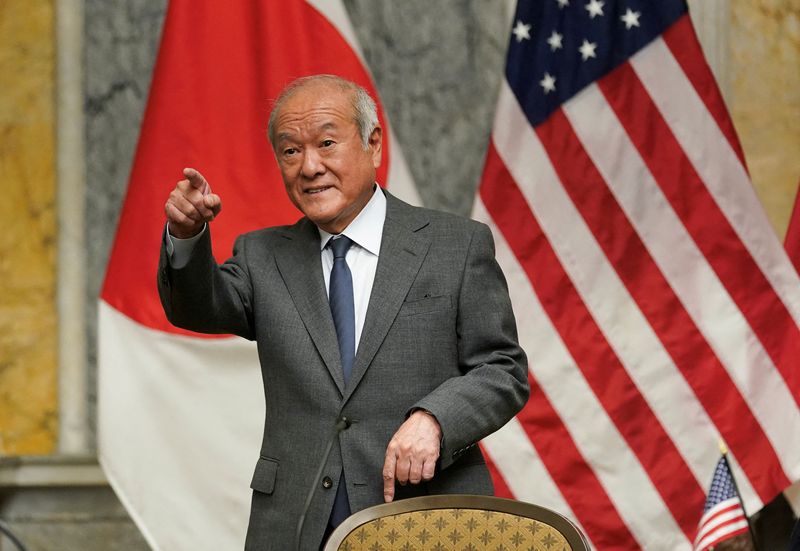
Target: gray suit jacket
{"x": 439, "y": 334}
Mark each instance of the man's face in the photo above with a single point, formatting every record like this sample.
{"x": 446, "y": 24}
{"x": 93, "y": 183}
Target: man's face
{"x": 326, "y": 170}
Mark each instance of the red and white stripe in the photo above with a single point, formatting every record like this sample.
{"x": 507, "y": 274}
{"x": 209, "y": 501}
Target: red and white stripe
{"x": 719, "y": 523}
{"x": 658, "y": 309}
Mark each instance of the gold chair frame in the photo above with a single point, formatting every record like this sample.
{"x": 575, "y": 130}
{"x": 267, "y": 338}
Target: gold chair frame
{"x": 557, "y": 521}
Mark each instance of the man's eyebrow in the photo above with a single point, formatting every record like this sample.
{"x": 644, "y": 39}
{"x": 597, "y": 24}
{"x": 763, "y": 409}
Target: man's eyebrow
{"x": 290, "y": 136}
{"x": 284, "y": 136}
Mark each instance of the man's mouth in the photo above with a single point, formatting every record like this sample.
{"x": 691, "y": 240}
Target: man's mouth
{"x": 315, "y": 190}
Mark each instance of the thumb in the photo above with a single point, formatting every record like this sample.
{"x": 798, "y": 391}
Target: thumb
{"x": 213, "y": 202}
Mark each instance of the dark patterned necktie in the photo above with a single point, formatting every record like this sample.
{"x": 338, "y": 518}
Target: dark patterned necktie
{"x": 340, "y": 297}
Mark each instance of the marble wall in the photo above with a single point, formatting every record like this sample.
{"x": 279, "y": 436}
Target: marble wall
{"x": 765, "y": 98}
{"x": 438, "y": 71}
{"x": 28, "y": 330}
{"x": 120, "y": 46}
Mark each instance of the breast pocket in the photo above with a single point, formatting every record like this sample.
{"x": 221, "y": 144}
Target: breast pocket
{"x": 424, "y": 305}
{"x": 264, "y": 476}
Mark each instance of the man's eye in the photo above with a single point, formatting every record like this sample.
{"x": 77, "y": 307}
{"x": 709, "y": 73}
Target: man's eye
{"x": 327, "y": 143}
{"x": 289, "y": 151}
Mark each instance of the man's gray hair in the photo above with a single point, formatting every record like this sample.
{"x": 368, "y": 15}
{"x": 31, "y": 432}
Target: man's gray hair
{"x": 364, "y": 109}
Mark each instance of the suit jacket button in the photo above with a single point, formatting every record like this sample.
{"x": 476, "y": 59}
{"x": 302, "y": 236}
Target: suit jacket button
{"x": 327, "y": 483}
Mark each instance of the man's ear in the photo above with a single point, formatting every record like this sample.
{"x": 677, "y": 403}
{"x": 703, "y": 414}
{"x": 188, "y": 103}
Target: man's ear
{"x": 376, "y": 145}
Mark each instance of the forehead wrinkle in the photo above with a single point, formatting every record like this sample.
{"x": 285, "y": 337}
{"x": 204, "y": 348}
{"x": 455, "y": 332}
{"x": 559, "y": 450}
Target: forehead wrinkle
{"x": 310, "y": 103}
{"x": 309, "y": 123}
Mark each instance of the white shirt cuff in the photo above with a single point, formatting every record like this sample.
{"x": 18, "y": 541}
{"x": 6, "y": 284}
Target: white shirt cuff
{"x": 179, "y": 251}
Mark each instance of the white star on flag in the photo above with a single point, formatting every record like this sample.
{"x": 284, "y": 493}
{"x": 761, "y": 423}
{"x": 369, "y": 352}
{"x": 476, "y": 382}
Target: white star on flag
{"x": 631, "y": 18}
{"x": 522, "y": 31}
{"x": 563, "y": 3}
{"x": 555, "y": 41}
{"x": 548, "y": 83}
{"x": 595, "y": 7}
{"x": 587, "y": 49}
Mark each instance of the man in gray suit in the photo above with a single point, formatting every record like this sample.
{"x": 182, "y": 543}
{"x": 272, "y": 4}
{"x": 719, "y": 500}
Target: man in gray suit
{"x": 395, "y": 317}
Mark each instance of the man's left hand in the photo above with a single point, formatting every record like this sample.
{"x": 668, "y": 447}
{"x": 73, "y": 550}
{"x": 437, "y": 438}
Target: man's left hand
{"x": 412, "y": 452}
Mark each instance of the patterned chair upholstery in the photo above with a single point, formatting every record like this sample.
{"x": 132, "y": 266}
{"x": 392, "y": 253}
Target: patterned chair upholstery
{"x": 457, "y": 523}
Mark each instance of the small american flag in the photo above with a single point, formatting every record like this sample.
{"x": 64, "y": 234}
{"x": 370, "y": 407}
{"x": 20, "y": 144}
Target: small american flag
{"x": 723, "y": 515}
{"x": 659, "y": 310}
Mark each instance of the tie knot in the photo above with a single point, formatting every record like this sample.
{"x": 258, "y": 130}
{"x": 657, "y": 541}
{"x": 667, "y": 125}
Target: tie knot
{"x": 339, "y": 246}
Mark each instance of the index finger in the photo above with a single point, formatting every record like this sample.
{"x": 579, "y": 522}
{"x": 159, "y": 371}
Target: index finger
{"x": 197, "y": 180}
{"x": 388, "y": 476}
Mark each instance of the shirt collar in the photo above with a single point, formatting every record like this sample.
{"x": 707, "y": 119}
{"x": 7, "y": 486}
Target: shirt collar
{"x": 366, "y": 229}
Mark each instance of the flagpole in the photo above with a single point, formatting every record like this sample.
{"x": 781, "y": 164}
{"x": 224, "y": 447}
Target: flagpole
{"x": 724, "y": 449}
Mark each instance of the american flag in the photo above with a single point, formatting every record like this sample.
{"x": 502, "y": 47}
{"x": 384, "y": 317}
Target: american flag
{"x": 723, "y": 516}
{"x": 658, "y": 309}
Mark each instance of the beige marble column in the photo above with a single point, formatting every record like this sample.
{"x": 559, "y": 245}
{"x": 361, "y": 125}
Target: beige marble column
{"x": 74, "y": 430}
{"x": 28, "y": 326}
{"x": 711, "y": 20}
{"x": 765, "y": 98}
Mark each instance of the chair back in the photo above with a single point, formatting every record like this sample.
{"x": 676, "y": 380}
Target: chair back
{"x": 457, "y": 522}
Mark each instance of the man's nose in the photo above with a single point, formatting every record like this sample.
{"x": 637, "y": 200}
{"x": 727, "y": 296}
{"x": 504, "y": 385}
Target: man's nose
{"x": 312, "y": 164}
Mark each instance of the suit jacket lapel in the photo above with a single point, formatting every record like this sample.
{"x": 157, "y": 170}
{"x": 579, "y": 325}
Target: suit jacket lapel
{"x": 401, "y": 255}
{"x": 300, "y": 266}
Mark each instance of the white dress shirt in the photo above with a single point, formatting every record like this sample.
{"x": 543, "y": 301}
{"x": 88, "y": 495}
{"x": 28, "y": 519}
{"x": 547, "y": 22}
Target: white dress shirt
{"x": 366, "y": 232}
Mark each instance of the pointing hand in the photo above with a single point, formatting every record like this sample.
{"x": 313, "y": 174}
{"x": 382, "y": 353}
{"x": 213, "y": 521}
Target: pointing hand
{"x": 191, "y": 205}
